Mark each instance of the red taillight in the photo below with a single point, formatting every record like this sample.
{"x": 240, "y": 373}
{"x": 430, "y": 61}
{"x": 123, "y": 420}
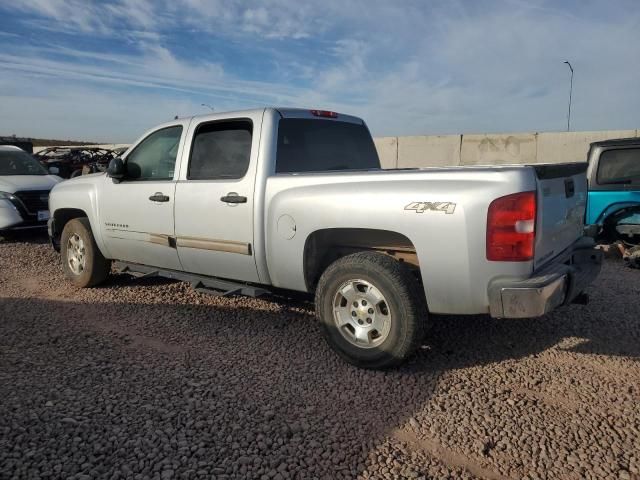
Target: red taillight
{"x": 324, "y": 113}
{"x": 511, "y": 228}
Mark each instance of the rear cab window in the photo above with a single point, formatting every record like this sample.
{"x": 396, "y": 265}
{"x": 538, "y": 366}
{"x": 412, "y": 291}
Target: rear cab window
{"x": 619, "y": 166}
{"x": 314, "y": 145}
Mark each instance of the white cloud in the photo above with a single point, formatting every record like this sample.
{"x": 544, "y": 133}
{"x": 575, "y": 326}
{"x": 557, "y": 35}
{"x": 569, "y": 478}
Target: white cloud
{"x": 276, "y": 19}
{"x": 68, "y": 15}
{"x": 68, "y": 112}
{"x": 410, "y": 67}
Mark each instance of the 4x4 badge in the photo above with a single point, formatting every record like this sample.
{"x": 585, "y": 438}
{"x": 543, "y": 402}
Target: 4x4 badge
{"x": 421, "y": 207}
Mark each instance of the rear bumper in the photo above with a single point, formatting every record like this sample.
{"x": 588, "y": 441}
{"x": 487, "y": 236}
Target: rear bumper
{"x": 554, "y": 285}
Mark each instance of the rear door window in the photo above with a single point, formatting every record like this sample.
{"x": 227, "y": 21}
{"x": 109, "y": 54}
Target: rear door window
{"x": 220, "y": 150}
{"x": 619, "y": 166}
{"x": 306, "y": 145}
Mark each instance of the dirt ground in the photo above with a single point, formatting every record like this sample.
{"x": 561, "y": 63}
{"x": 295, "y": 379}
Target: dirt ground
{"x": 146, "y": 379}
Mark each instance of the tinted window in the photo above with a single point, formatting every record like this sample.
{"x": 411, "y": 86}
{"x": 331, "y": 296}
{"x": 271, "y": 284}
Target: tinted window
{"x": 322, "y": 145}
{"x": 619, "y": 166}
{"x": 155, "y": 157}
{"x": 17, "y": 162}
{"x": 220, "y": 150}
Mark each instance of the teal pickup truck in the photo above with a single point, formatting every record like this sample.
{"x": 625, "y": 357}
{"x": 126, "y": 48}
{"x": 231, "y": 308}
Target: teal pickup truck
{"x": 614, "y": 190}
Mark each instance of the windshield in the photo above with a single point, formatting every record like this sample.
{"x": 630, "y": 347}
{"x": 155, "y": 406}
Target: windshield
{"x": 18, "y": 162}
{"x": 323, "y": 145}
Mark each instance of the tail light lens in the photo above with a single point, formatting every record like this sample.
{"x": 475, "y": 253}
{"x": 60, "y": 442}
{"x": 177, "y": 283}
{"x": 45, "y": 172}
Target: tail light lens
{"x": 511, "y": 228}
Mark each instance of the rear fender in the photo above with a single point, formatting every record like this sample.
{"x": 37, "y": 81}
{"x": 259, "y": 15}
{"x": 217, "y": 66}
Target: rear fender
{"x": 622, "y": 223}
{"x": 614, "y": 209}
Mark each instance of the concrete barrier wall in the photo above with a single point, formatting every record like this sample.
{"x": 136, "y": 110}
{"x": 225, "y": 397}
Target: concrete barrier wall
{"x": 485, "y": 149}
{"x": 444, "y": 151}
{"x": 387, "y": 151}
{"x": 573, "y": 146}
{"x": 490, "y": 149}
{"x": 498, "y": 149}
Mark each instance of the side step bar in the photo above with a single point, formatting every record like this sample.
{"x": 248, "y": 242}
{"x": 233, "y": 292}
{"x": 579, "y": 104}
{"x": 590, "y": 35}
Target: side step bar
{"x": 201, "y": 283}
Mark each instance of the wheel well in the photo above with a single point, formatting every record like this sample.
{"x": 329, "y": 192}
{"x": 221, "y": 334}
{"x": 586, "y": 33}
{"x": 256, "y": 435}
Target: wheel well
{"x": 324, "y": 247}
{"x": 60, "y": 218}
{"x": 610, "y": 233}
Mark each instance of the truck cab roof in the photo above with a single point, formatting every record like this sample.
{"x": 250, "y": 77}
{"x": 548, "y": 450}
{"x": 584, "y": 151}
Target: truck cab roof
{"x": 614, "y": 142}
{"x": 286, "y": 112}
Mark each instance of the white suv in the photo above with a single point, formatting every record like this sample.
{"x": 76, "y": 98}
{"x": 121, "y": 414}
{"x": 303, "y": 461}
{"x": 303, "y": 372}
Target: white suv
{"x": 24, "y": 190}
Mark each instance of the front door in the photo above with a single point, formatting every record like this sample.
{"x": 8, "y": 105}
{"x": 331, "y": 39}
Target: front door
{"x": 137, "y": 212}
{"x": 215, "y": 200}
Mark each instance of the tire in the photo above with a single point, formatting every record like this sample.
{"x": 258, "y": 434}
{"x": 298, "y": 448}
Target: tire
{"x": 86, "y": 266}
{"x": 396, "y": 327}
{"x": 6, "y": 236}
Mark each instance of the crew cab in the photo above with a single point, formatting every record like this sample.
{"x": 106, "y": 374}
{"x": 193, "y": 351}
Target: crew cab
{"x": 287, "y": 199}
{"x": 24, "y": 190}
{"x": 614, "y": 190}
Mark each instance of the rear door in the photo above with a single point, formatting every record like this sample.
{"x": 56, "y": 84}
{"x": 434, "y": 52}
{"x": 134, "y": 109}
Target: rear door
{"x": 215, "y": 198}
{"x": 562, "y": 200}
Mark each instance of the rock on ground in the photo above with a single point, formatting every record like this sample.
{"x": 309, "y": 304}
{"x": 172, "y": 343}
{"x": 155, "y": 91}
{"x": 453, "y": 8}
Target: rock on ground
{"x": 147, "y": 379}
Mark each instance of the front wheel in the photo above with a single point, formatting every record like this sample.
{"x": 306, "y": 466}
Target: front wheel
{"x": 82, "y": 261}
{"x": 371, "y": 309}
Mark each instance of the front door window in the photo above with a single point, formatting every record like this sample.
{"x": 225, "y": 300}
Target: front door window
{"x": 155, "y": 157}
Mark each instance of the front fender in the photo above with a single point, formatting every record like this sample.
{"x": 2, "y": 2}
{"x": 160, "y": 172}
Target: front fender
{"x": 80, "y": 193}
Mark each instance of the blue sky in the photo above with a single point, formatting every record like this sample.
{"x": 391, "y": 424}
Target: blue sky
{"x": 107, "y": 71}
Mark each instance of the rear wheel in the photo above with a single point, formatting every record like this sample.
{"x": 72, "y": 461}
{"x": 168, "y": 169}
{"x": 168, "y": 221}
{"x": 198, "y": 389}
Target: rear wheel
{"x": 372, "y": 309}
{"x": 82, "y": 261}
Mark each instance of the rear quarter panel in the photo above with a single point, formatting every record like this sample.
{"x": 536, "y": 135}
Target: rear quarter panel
{"x": 603, "y": 203}
{"x": 450, "y": 246}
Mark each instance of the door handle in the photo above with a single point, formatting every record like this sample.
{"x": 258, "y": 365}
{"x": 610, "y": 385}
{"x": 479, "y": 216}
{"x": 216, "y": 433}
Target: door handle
{"x": 233, "y": 198}
{"x": 159, "y": 197}
{"x": 569, "y": 188}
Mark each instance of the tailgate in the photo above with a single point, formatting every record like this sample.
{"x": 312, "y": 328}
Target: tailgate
{"x": 562, "y": 199}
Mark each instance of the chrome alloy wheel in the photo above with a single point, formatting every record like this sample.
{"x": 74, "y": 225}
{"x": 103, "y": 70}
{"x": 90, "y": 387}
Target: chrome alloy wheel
{"x": 76, "y": 254}
{"x": 361, "y": 314}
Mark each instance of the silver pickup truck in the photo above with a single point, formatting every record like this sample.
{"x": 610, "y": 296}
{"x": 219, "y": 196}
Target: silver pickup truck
{"x": 286, "y": 199}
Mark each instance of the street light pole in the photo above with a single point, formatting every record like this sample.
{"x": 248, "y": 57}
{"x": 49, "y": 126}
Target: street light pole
{"x": 208, "y": 106}
{"x": 570, "y": 92}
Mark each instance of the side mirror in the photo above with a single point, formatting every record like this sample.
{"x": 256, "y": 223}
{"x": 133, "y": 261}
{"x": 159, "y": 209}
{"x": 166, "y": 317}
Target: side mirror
{"x": 54, "y": 170}
{"x": 116, "y": 168}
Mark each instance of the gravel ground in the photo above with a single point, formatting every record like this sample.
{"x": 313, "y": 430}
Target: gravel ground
{"x": 147, "y": 379}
